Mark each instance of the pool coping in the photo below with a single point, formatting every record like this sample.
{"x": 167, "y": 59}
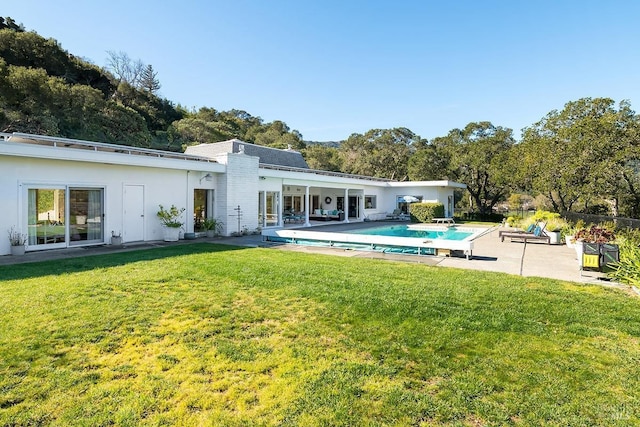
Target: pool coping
{"x": 373, "y": 242}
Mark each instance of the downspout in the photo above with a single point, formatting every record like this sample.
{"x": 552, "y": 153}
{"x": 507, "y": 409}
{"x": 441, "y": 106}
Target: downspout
{"x": 186, "y": 225}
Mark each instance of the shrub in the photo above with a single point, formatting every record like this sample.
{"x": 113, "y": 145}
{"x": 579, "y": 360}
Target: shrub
{"x": 213, "y": 224}
{"x": 170, "y": 217}
{"x": 514, "y": 221}
{"x": 555, "y": 224}
{"x": 595, "y": 234}
{"x": 552, "y": 221}
{"x": 628, "y": 269}
{"x": 425, "y": 212}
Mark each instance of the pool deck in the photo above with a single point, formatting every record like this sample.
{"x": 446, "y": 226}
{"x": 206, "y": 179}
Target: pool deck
{"x": 489, "y": 254}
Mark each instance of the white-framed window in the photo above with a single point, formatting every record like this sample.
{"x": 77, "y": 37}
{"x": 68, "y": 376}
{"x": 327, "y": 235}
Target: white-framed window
{"x": 268, "y": 208}
{"x": 58, "y": 216}
{"x": 370, "y": 202}
{"x": 293, "y": 203}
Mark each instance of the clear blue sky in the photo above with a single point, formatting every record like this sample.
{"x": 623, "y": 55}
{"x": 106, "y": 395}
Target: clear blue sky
{"x": 329, "y": 68}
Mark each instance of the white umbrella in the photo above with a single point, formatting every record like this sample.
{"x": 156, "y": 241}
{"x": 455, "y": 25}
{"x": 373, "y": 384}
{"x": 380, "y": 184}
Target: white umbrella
{"x": 409, "y": 199}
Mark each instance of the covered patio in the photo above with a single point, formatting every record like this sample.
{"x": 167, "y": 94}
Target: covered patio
{"x": 308, "y": 205}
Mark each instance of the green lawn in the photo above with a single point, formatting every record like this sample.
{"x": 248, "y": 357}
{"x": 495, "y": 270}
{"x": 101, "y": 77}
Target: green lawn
{"x": 214, "y": 335}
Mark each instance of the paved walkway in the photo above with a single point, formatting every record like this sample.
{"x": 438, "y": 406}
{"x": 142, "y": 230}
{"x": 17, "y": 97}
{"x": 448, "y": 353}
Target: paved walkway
{"x": 489, "y": 254}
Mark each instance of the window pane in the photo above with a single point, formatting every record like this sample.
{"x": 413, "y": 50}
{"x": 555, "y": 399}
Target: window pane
{"x": 85, "y": 219}
{"x": 370, "y": 202}
{"x": 46, "y": 216}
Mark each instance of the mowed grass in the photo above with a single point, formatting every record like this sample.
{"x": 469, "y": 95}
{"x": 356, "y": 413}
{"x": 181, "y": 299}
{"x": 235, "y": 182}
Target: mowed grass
{"x": 214, "y": 335}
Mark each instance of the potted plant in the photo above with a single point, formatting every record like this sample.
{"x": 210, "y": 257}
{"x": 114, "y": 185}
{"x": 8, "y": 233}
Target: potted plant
{"x": 213, "y": 226}
{"x": 553, "y": 228}
{"x": 170, "y": 219}
{"x": 18, "y": 242}
{"x": 116, "y": 239}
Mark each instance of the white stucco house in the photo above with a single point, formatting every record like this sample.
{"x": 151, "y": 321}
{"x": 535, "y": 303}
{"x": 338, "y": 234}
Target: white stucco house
{"x": 63, "y": 192}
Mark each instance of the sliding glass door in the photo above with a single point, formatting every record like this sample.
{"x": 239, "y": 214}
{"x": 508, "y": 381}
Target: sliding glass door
{"x": 64, "y": 216}
{"x": 86, "y": 216}
{"x": 46, "y": 217}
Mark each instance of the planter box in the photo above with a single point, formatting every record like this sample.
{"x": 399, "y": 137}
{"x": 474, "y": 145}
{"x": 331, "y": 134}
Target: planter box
{"x": 116, "y": 240}
{"x": 171, "y": 234}
{"x": 18, "y": 250}
{"x": 554, "y": 237}
{"x": 570, "y": 241}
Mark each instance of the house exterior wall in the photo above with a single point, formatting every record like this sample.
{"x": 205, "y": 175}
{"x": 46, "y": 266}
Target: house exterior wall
{"x": 236, "y": 179}
{"x": 161, "y": 186}
{"x": 434, "y": 194}
{"x": 239, "y": 189}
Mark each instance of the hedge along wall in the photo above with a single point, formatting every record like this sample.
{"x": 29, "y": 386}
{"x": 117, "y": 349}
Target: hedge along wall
{"x": 424, "y": 212}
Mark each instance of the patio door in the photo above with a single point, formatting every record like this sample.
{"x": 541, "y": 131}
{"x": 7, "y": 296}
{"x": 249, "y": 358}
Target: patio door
{"x": 268, "y": 208}
{"x": 46, "y": 217}
{"x": 86, "y": 219}
{"x": 354, "y": 207}
{"x": 61, "y": 216}
{"x": 202, "y": 208}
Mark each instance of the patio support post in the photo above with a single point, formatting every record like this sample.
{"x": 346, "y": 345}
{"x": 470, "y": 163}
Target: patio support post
{"x": 264, "y": 211}
{"x": 307, "y": 206}
{"x": 346, "y": 205}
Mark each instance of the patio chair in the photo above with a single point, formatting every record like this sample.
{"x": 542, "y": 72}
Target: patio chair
{"x": 395, "y": 214}
{"x": 298, "y": 216}
{"x": 288, "y": 216}
{"x": 529, "y": 229}
{"x": 538, "y": 235}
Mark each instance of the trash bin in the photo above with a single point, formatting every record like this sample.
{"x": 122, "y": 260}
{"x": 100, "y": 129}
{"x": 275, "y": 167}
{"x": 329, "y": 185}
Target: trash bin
{"x": 599, "y": 255}
{"x": 610, "y": 253}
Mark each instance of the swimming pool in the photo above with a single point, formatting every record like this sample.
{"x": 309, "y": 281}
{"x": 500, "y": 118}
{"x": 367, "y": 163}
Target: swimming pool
{"x": 417, "y": 239}
{"x": 419, "y": 231}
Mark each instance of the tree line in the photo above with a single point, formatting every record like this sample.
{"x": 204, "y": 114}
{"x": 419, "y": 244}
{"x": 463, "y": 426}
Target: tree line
{"x": 46, "y": 90}
{"x": 583, "y": 158}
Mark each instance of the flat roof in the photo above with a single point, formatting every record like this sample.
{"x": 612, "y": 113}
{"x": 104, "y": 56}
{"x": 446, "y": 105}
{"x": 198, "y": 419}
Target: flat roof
{"x": 52, "y": 141}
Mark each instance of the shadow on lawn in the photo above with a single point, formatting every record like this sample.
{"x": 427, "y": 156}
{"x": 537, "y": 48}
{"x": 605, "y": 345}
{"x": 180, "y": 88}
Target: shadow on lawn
{"x": 100, "y": 257}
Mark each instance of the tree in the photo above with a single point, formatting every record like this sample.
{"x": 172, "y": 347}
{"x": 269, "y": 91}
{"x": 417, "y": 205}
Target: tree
{"x": 583, "y": 154}
{"x": 475, "y": 156}
{"x": 323, "y": 158}
{"x": 10, "y": 24}
{"x": 275, "y": 134}
{"x": 429, "y": 163}
{"x": 124, "y": 68}
{"x": 381, "y": 153}
{"x": 149, "y": 80}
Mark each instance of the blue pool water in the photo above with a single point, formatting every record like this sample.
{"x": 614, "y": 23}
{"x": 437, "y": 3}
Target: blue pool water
{"x": 450, "y": 233}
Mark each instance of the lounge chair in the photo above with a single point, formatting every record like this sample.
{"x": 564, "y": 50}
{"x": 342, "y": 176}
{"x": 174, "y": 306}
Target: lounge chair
{"x": 536, "y": 236}
{"x": 395, "y": 214}
{"x": 529, "y": 229}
